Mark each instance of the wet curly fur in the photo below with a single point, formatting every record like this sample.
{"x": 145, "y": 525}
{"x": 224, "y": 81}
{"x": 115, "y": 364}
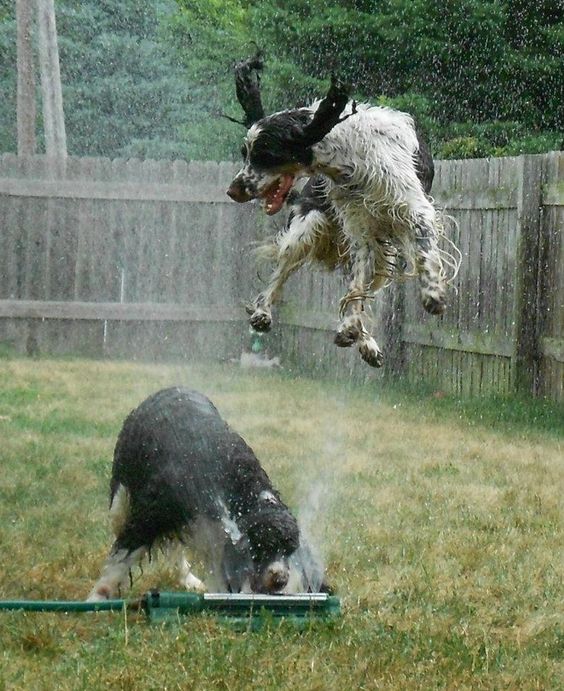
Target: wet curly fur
{"x": 182, "y": 477}
{"x": 365, "y": 209}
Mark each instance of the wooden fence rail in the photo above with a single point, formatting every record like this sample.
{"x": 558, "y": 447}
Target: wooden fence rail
{"x": 152, "y": 259}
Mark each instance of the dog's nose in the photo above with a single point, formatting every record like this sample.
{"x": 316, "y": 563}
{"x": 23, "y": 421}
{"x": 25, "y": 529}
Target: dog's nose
{"x": 237, "y": 192}
{"x": 275, "y": 577}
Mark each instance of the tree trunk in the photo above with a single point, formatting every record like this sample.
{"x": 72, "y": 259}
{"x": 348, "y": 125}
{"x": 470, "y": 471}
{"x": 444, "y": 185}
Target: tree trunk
{"x": 26, "y": 78}
{"x": 53, "y": 116}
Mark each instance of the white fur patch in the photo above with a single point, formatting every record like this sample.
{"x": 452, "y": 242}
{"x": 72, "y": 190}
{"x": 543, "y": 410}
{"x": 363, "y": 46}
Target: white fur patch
{"x": 267, "y": 496}
{"x": 119, "y": 510}
{"x": 230, "y": 526}
{"x": 115, "y": 574}
{"x": 185, "y": 576}
{"x": 252, "y": 135}
{"x": 302, "y": 232}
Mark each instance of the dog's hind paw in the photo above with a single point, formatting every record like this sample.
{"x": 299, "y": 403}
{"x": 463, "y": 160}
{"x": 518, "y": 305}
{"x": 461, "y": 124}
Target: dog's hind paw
{"x": 348, "y": 333}
{"x": 371, "y": 353}
{"x": 261, "y": 320}
{"x": 434, "y": 304}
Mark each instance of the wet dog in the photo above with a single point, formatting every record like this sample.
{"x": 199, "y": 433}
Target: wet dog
{"x": 182, "y": 477}
{"x": 365, "y": 208}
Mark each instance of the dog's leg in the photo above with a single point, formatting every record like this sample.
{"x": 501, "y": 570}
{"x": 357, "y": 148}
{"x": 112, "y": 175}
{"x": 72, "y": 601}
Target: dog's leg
{"x": 261, "y": 307}
{"x": 294, "y": 246}
{"x": 351, "y": 325}
{"x": 185, "y": 576}
{"x": 429, "y": 268}
{"x": 126, "y": 552}
{"x": 115, "y": 574}
{"x": 361, "y": 286}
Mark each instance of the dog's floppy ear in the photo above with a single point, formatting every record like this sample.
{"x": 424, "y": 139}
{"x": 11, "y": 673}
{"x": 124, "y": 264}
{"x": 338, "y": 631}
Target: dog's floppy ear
{"x": 247, "y": 87}
{"x": 328, "y": 113}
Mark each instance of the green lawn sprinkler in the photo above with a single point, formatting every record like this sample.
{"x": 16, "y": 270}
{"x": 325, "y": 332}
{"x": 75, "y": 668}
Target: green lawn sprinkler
{"x": 243, "y": 610}
{"x": 257, "y": 344}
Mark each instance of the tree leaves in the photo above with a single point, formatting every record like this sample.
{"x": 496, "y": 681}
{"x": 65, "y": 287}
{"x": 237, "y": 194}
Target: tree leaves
{"x": 150, "y": 78}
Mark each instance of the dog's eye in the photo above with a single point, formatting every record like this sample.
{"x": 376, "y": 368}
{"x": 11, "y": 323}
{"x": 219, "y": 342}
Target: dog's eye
{"x": 263, "y": 158}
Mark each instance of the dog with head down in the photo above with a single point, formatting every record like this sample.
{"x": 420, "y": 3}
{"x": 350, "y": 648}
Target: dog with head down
{"x": 182, "y": 478}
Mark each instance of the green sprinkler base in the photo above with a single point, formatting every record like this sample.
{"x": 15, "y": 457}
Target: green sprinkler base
{"x": 249, "y": 611}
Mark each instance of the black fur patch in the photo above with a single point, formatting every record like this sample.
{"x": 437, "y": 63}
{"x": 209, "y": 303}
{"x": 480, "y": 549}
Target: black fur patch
{"x": 312, "y": 198}
{"x": 425, "y": 168}
{"x": 179, "y": 460}
{"x": 280, "y": 141}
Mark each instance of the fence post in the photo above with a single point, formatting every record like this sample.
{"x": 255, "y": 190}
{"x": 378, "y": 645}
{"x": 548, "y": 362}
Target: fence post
{"x": 393, "y": 318}
{"x": 526, "y": 319}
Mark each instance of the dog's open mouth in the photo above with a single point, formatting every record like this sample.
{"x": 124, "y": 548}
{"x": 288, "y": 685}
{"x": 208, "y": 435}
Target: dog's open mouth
{"x": 275, "y": 194}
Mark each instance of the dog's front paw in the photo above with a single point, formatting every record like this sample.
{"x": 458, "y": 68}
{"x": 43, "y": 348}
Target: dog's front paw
{"x": 259, "y": 303}
{"x": 193, "y": 584}
{"x": 261, "y": 320}
{"x": 100, "y": 593}
{"x": 371, "y": 353}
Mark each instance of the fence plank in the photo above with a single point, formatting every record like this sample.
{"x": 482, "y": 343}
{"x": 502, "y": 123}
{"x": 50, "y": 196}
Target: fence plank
{"x": 492, "y": 198}
{"x": 88, "y": 189}
{"x": 127, "y": 311}
{"x": 551, "y": 288}
{"x": 469, "y": 342}
{"x": 525, "y": 299}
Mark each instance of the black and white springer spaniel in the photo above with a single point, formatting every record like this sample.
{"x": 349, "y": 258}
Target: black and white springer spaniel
{"x": 182, "y": 477}
{"x": 365, "y": 208}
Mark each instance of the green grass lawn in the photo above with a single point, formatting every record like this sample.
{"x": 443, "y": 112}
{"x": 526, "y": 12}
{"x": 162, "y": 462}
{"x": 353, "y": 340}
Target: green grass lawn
{"x": 440, "y": 523}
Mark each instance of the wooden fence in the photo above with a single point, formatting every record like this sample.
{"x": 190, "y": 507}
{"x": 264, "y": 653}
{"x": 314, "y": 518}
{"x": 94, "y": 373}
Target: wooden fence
{"x": 500, "y": 333}
{"x": 504, "y": 328}
{"x": 151, "y": 259}
{"x": 123, "y": 258}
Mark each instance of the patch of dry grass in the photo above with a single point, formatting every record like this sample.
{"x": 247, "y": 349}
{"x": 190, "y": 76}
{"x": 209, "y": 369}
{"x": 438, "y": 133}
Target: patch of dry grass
{"x": 442, "y": 536}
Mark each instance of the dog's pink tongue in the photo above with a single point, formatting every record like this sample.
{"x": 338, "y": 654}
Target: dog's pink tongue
{"x": 277, "y": 199}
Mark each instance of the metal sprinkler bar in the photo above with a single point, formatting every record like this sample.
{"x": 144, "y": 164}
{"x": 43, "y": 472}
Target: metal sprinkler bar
{"x": 237, "y": 608}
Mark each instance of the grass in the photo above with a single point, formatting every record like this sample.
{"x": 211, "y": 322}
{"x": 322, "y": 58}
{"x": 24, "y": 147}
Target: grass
{"x": 439, "y": 519}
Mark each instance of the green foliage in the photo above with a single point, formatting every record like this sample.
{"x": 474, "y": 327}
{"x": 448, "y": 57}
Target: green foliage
{"x": 484, "y": 65}
{"x": 123, "y": 91}
{"x": 152, "y": 79}
{"x": 503, "y": 138}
